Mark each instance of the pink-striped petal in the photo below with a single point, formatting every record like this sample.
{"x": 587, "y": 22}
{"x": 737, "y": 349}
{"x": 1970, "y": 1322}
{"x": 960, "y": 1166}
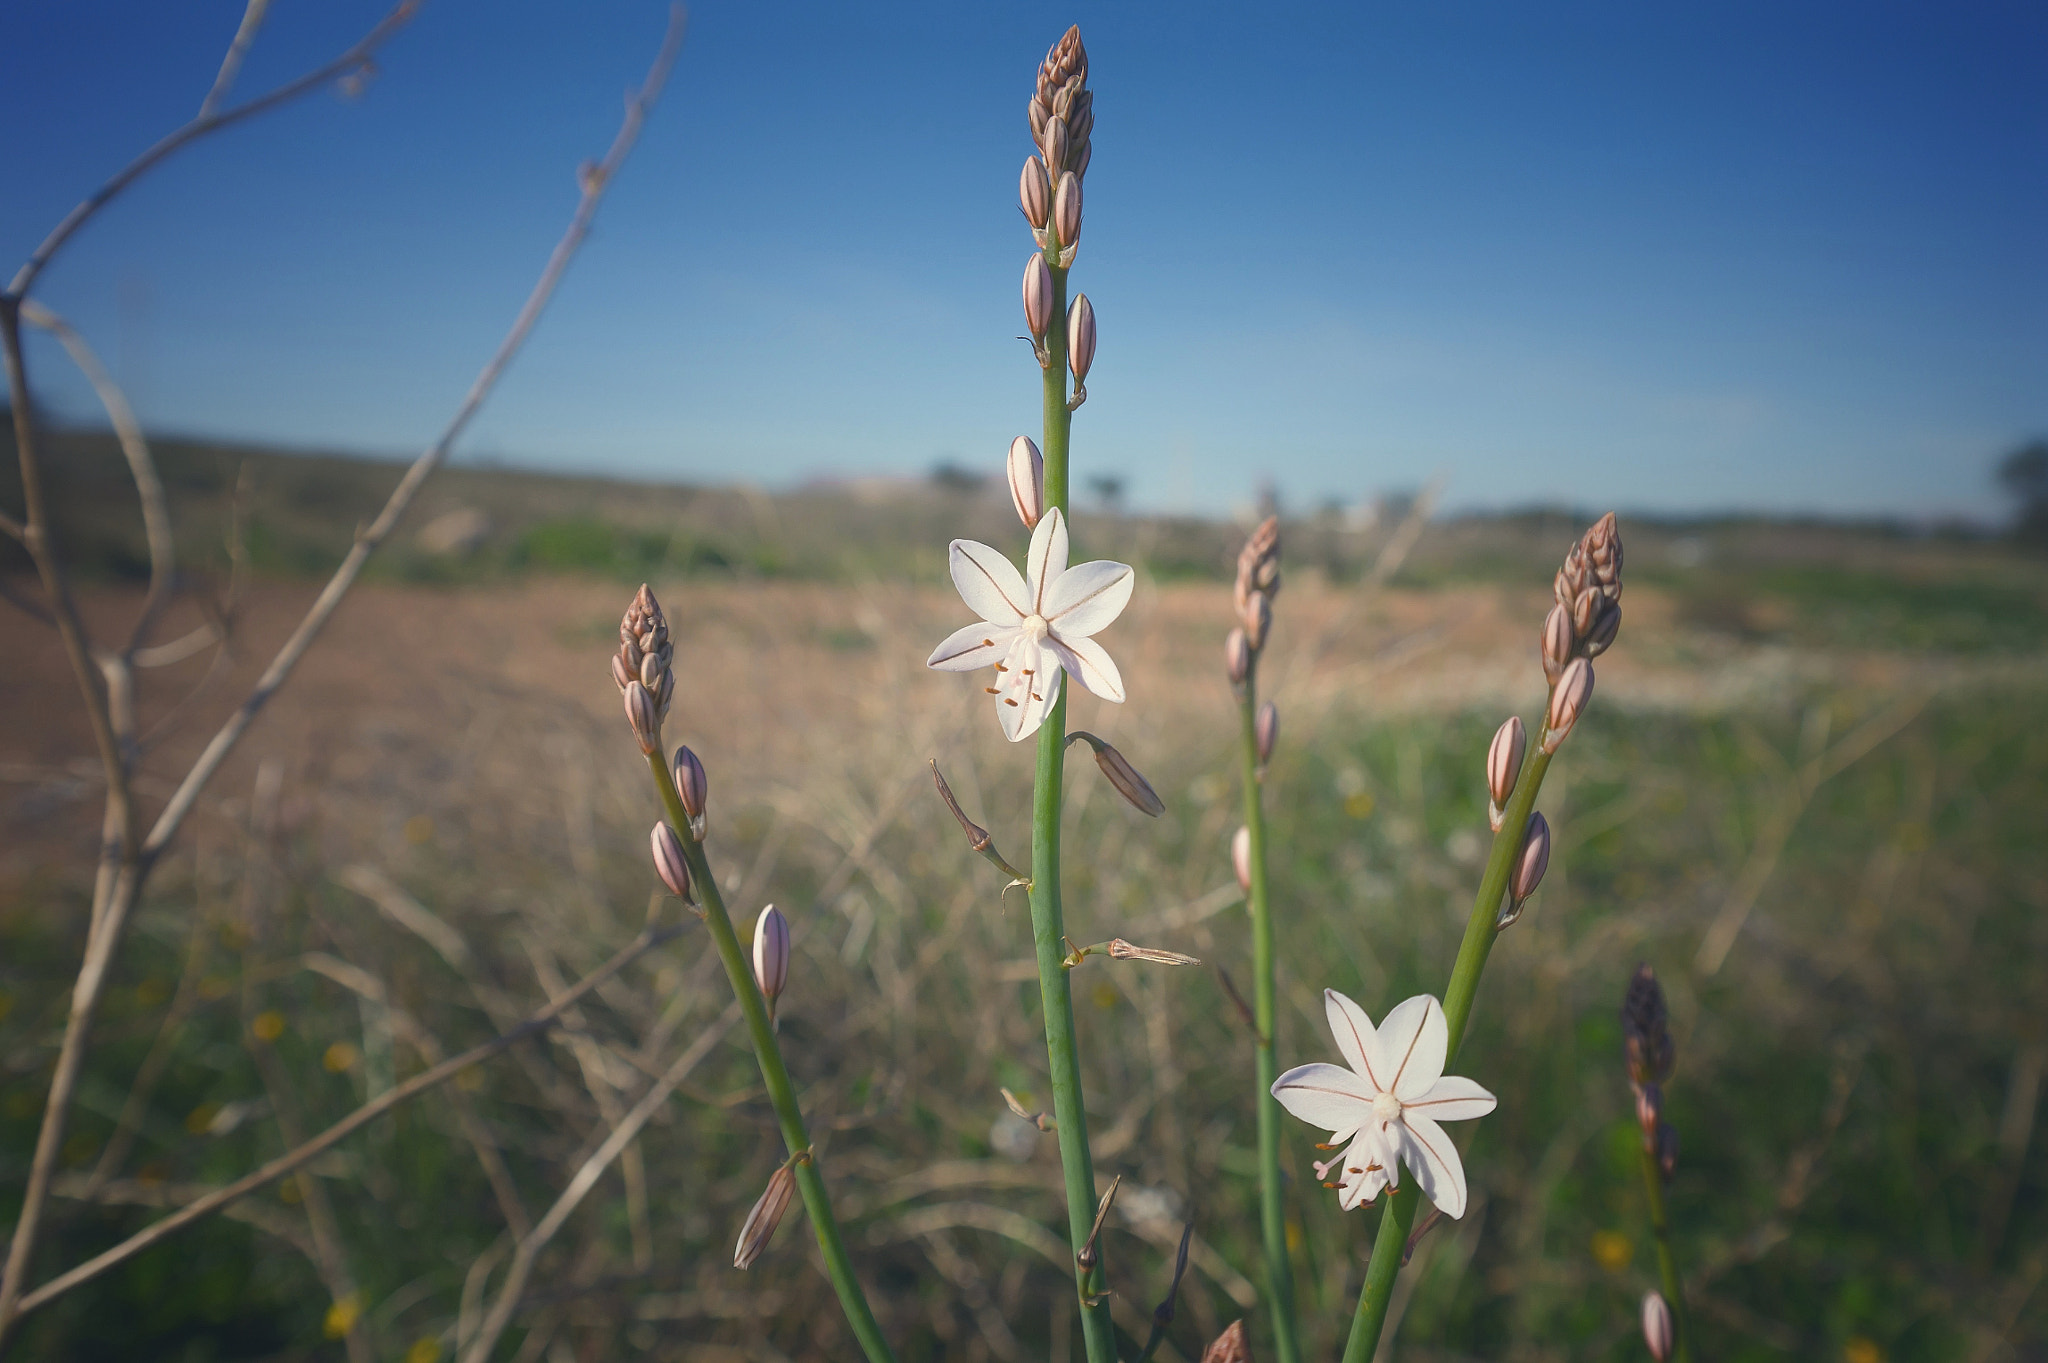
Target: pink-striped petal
{"x": 987, "y": 582}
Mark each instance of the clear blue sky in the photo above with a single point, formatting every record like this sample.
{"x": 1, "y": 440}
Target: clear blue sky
{"x": 1670, "y": 257}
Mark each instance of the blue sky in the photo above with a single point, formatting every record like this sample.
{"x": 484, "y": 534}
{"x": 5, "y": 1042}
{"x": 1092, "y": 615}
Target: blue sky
{"x": 1676, "y": 258}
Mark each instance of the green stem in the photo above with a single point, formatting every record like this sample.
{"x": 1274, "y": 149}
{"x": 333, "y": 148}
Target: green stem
{"x": 1480, "y": 931}
{"x": 1048, "y": 929}
{"x": 781, "y": 1092}
{"x": 1667, "y": 1264}
{"x": 1272, "y": 1209}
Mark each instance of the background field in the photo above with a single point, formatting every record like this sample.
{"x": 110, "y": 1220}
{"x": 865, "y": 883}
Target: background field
{"x": 1818, "y": 745}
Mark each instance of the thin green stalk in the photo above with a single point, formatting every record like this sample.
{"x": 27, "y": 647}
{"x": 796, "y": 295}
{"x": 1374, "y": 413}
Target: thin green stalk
{"x": 1399, "y": 1217}
{"x": 1272, "y": 1209}
{"x": 1667, "y": 1264}
{"x": 781, "y": 1093}
{"x": 1048, "y": 928}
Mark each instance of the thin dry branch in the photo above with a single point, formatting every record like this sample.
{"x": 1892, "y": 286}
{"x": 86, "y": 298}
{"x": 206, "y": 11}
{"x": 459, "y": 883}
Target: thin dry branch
{"x": 231, "y": 64}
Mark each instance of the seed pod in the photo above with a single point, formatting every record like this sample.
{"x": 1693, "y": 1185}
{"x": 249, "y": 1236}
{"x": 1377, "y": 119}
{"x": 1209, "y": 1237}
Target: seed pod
{"x": 1567, "y": 702}
{"x": 1605, "y": 626}
{"x": 1241, "y": 857}
{"x": 1027, "y": 476}
{"x": 1081, "y": 337}
{"x": 1033, "y": 195}
{"x": 669, "y": 862}
{"x": 1646, "y": 1029}
{"x": 1066, "y": 210}
{"x": 1533, "y": 861}
{"x": 761, "y": 1222}
{"x": 1558, "y": 642}
{"x": 1504, "y": 761}
{"x": 1037, "y": 296}
{"x": 1659, "y": 1331}
{"x": 1237, "y": 657}
{"x": 691, "y": 783}
{"x": 1258, "y": 619}
{"x": 644, "y": 715}
{"x": 1266, "y": 731}
{"x": 771, "y": 954}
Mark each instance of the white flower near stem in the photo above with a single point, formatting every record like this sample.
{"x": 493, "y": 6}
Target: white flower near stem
{"x": 1036, "y": 626}
{"x": 1388, "y": 1103}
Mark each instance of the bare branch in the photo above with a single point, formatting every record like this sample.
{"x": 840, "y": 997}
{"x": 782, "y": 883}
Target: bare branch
{"x": 25, "y": 277}
{"x": 231, "y": 64}
{"x": 156, "y": 506}
{"x": 369, "y": 1112}
{"x": 595, "y": 182}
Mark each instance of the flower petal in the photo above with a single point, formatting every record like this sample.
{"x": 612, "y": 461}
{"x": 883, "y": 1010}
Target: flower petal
{"x": 1356, "y": 1190}
{"x": 1029, "y": 687}
{"x": 1088, "y": 596}
{"x": 1328, "y": 1096}
{"x": 1354, "y": 1033}
{"x": 1434, "y": 1161}
{"x": 1409, "y": 1051}
{"x": 1453, "y": 1098}
{"x": 978, "y": 645}
{"x": 1047, "y": 561}
{"x": 1091, "y": 665}
{"x": 987, "y": 582}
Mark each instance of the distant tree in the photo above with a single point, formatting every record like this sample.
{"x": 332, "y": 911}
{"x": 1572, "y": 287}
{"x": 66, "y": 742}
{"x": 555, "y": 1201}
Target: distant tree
{"x": 955, "y": 478}
{"x": 2024, "y": 474}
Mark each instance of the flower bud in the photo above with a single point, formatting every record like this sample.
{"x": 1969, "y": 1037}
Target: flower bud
{"x": 1585, "y": 609}
{"x": 622, "y": 671}
{"x": 1266, "y": 731}
{"x": 1037, "y": 296}
{"x": 1605, "y": 625}
{"x": 669, "y": 862}
{"x": 691, "y": 783}
{"x": 1237, "y": 657}
{"x": 1066, "y": 211}
{"x": 1567, "y": 702}
{"x": 1258, "y": 618}
{"x": 1241, "y": 857}
{"x": 1533, "y": 861}
{"x": 1667, "y": 1149}
{"x": 1128, "y": 780}
{"x": 1033, "y": 195}
{"x": 1558, "y": 642}
{"x": 1659, "y": 1331}
{"x": 1027, "y": 474}
{"x": 771, "y": 954}
{"x": 1081, "y": 337}
{"x": 644, "y": 715}
{"x": 1646, "y": 1029}
{"x": 1055, "y": 144}
{"x": 1649, "y": 1113}
{"x": 1504, "y": 762}
{"x": 761, "y": 1222}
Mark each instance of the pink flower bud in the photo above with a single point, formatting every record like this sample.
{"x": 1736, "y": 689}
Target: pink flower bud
{"x": 1649, "y": 1113}
{"x": 1567, "y": 702}
{"x": 1266, "y": 731}
{"x": 1660, "y": 1333}
{"x": 1237, "y": 657}
{"x": 1037, "y": 296}
{"x": 622, "y": 671}
{"x": 1667, "y": 1149}
{"x": 1081, "y": 337}
{"x": 1504, "y": 760}
{"x": 1066, "y": 210}
{"x": 1605, "y": 625}
{"x": 1241, "y": 858}
{"x": 691, "y": 782}
{"x": 669, "y": 862}
{"x": 1055, "y": 144}
{"x": 771, "y": 954}
{"x": 1032, "y": 194}
{"x": 1558, "y": 643}
{"x": 1258, "y": 619}
{"x": 761, "y": 1222}
{"x": 1027, "y": 476}
{"x": 1533, "y": 861}
{"x": 643, "y": 713}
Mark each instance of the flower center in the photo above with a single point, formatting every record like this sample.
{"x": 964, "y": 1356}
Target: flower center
{"x": 1386, "y": 1107}
{"x": 1035, "y": 627}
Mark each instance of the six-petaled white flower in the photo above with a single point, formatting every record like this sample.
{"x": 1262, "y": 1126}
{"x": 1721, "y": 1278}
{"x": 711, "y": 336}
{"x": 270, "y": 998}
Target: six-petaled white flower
{"x": 1388, "y": 1104}
{"x": 1036, "y": 626}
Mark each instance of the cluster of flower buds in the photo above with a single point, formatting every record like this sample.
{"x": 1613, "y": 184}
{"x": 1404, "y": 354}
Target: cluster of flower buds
{"x": 1646, "y": 1044}
{"x": 642, "y": 668}
{"x": 771, "y": 955}
{"x": 1581, "y": 625}
{"x": 1258, "y": 582}
{"x": 1660, "y": 1332}
{"x": 1062, "y": 115}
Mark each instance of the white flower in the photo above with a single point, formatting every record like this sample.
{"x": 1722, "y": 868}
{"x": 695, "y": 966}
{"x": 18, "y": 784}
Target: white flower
{"x": 1388, "y": 1103}
{"x": 1034, "y": 626}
